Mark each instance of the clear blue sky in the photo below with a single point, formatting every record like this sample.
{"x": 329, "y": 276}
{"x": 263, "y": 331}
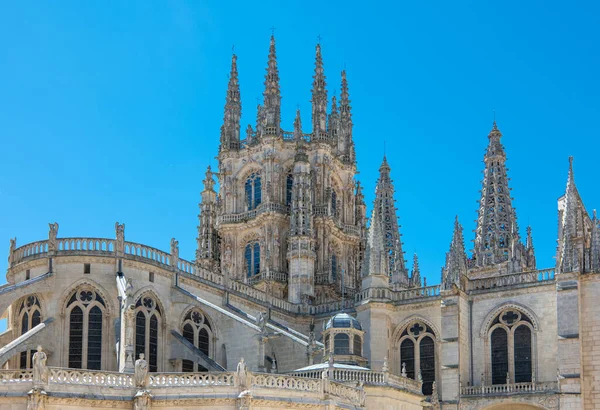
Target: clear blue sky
{"x": 110, "y": 111}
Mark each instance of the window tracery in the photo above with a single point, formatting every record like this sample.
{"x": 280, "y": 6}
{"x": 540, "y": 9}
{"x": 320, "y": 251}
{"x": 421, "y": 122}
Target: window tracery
{"x": 29, "y": 316}
{"x": 252, "y": 258}
{"x": 253, "y": 190}
{"x": 289, "y": 184}
{"x": 417, "y": 354}
{"x": 85, "y": 312}
{"x": 197, "y": 329}
{"x": 147, "y": 326}
{"x": 510, "y": 338}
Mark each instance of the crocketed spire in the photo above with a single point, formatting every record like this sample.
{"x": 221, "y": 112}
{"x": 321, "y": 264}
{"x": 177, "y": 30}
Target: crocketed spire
{"x": 334, "y": 121}
{"x": 569, "y": 256}
{"x": 345, "y": 141}
{"x": 384, "y": 223}
{"x": 230, "y": 130}
{"x": 456, "y": 259}
{"x": 319, "y": 99}
{"x": 207, "y": 253}
{"x": 272, "y": 96}
{"x": 497, "y": 233}
{"x": 415, "y": 278}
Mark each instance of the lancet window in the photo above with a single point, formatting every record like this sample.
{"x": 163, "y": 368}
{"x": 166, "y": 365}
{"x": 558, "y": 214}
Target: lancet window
{"x": 417, "y": 354}
{"x": 510, "y": 339}
{"x": 334, "y": 267}
{"x": 252, "y": 258}
{"x": 85, "y": 311}
{"x": 289, "y": 184}
{"x": 252, "y": 190}
{"x": 147, "y": 329}
{"x": 30, "y": 315}
{"x": 333, "y": 202}
{"x": 198, "y": 331}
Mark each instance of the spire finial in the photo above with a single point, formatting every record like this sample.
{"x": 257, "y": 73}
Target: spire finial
{"x": 272, "y": 31}
{"x": 319, "y": 39}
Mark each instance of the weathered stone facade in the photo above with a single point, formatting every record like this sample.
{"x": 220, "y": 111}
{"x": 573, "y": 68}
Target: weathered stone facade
{"x": 282, "y": 247}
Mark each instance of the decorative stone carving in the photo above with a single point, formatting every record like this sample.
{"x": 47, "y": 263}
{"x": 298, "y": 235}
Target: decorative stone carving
{"x": 11, "y": 251}
{"x": 40, "y": 370}
{"x": 36, "y": 399}
{"x": 242, "y": 374}
{"x": 403, "y": 374}
{"x": 120, "y": 235}
{"x": 52, "y": 234}
{"x": 140, "y": 376}
{"x": 142, "y": 400}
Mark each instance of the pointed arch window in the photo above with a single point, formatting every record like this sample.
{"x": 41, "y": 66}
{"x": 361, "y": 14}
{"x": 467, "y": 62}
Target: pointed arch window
{"x": 85, "y": 313}
{"x": 333, "y": 202}
{"x": 334, "y": 267}
{"x": 252, "y": 190}
{"x": 29, "y": 317}
{"x": 252, "y": 259}
{"x": 198, "y": 331}
{"x": 147, "y": 330}
{"x": 289, "y": 184}
{"x": 417, "y": 354}
{"x": 510, "y": 339}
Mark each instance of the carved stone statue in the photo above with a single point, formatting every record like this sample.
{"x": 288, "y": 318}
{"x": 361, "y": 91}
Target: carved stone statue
{"x": 120, "y": 232}
{"x": 11, "y": 251}
{"x": 36, "y": 399}
{"x": 142, "y": 401}
{"x": 261, "y": 322}
{"x": 40, "y": 371}
{"x": 403, "y": 374}
{"x": 385, "y": 367}
{"x": 52, "y": 234}
{"x": 174, "y": 249}
{"x": 140, "y": 376}
{"x": 242, "y": 374}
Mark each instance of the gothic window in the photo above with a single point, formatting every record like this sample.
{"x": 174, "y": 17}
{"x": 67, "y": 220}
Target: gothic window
{"x": 29, "y": 316}
{"x": 357, "y": 348}
{"x": 333, "y": 202}
{"x": 252, "y": 256}
{"x": 288, "y": 189}
{"x": 499, "y": 356}
{"x": 334, "y": 267}
{"x": 252, "y": 190}
{"x": 147, "y": 315}
{"x": 198, "y": 331}
{"x": 417, "y": 354}
{"x": 85, "y": 311}
{"x": 341, "y": 344}
{"x": 511, "y": 347}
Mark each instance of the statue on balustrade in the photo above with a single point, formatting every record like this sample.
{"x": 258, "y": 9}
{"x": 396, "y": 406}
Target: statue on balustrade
{"x": 52, "y": 234}
{"x": 242, "y": 374}
{"x": 36, "y": 399}
{"x": 40, "y": 370}
{"x": 140, "y": 376}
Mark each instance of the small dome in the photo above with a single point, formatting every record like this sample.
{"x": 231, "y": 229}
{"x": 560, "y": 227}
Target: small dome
{"x": 343, "y": 320}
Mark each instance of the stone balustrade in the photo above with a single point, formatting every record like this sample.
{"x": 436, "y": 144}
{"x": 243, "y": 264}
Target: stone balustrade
{"x": 147, "y": 253}
{"x": 253, "y": 213}
{"x": 96, "y": 245}
{"x": 354, "y": 395}
{"x": 513, "y": 388}
{"x": 89, "y": 378}
{"x": 397, "y": 294}
{"x": 162, "y": 380}
{"x": 34, "y": 249}
{"x": 271, "y": 381}
{"x": 289, "y": 136}
{"x": 268, "y": 275}
{"x": 337, "y": 306}
{"x": 521, "y": 278}
{"x": 15, "y": 376}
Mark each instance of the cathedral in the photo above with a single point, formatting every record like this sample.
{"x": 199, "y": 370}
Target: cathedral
{"x": 299, "y": 298}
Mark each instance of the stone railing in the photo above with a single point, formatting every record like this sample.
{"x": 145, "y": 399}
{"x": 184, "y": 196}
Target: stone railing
{"x": 268, "y": 275}
{"x": 89, "y": 378}
{"x": 514, "y": 388}
{"x": 96, "y": 245}
{"x": 147, "y": 253}
{"x": 253, "y": 213}
{"x": 346, "y": 304}
{"x": 15, "y": 376}
{"x": 521, "y": 278}
{"x": 289, "y": 136}
{"x": 398, "y": 295}
{"x": 285, "y": 382}
{"x": 37, "y": 249}
{"x": 368, "y": 377}
{"x": 158, "y": 380}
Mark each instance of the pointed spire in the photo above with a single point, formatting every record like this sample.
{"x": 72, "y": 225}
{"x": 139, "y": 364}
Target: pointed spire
{"x": 299, "y": 139}
{"x": 207, "y": 252}
{"x": 230, "y": 130}
{"x": 568, "y": 260}
{"x": 334, "y": 122}
{"x": 209, "y": 183}
{"x": 384, "y": 222}
{"x": 456, "y": 259}
{"x": 319, "y": 99}
{"x": 272, "y": 96}
{"x": 415, "y": 278}
{"x": 529, "y": 243}
{"x": 345, "y": 136}
{"x": 497, "y": 235}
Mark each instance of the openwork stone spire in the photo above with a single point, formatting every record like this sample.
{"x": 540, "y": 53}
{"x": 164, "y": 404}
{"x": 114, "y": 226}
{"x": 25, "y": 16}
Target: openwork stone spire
{"x": 569, "y": 256}
{"x": 384, "y": 234}
{"x": 230, "y": 130}
{"x": 271, "y": 115}
{"x": 334, "y": 121}
{"x": 415, "y": 278}
{"x": 497, "y": 233}
{"x": 456, "y": 259}
{"x": 319, "y": 99}
{"x": 207, "y": 253}
{"x": 346, "y": 142}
